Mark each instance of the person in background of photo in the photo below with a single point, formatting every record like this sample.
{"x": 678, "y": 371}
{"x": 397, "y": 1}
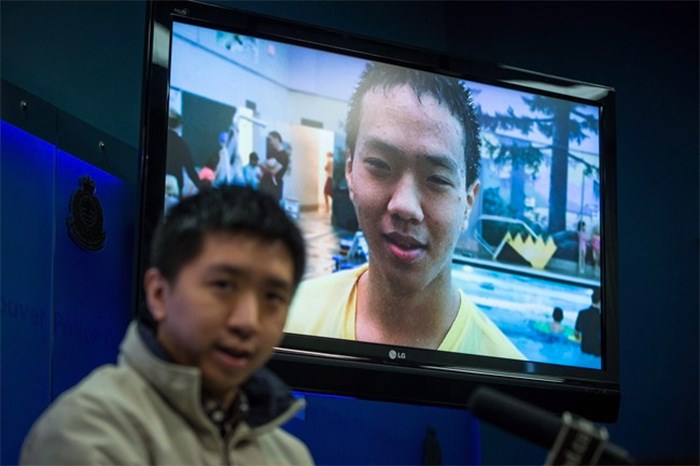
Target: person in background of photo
{"x": 268, "y": 181}
{"x": 179, "y": 161}
{"x": 190, "y": 386}
{"x": 595, "y": 250}
{"x": 588, "y": 328}
{"x": 582, "y": 246}
{"x": 328, "y": 185}
{"x": 206, "y": 176}
{"x": 412, "y": 172}
{"x": 555, "y": 325}
{"x": 277, "y": 149}
{"x": 252, "y": 172}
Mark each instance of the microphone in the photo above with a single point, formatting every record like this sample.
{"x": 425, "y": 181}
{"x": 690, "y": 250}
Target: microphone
{"x": 571, "y": 440}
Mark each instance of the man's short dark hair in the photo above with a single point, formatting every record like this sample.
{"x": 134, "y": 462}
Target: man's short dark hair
{"x": 448, "y": 91}
{"x": 179, "y": 237}
{"x": 595, "y": 296}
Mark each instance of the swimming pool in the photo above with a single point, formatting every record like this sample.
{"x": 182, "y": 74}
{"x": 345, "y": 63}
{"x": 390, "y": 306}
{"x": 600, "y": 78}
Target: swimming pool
{"x": 522, "y": 305}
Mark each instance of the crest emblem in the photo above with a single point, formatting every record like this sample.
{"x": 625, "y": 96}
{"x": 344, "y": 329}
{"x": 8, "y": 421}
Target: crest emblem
{"x": 85, "y": 220}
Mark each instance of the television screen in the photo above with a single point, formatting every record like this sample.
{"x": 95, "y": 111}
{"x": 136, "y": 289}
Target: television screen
{"x": 459, "y": 216}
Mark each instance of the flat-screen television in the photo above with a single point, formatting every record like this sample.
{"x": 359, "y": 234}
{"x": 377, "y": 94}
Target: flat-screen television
{"x": 459, "y": 215}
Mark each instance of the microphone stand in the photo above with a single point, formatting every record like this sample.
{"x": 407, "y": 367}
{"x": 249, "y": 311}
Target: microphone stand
{"x": 571, "y": 440}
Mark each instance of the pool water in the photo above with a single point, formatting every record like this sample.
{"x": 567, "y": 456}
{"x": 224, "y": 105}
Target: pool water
{"x": 522, "y": 307}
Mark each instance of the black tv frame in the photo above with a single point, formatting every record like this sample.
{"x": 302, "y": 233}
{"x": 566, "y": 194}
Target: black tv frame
{"x": 364, "y": 370}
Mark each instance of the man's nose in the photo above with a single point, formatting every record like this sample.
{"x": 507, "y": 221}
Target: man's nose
{"x": 244, "y": 314}
{"x": 405, "y": 201}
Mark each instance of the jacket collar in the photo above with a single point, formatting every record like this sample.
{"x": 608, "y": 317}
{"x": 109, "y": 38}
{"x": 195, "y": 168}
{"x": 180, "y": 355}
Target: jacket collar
{"x": 270, "y": 403}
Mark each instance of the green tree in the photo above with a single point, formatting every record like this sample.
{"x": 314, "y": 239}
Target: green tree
{"x": 558, "y": 120}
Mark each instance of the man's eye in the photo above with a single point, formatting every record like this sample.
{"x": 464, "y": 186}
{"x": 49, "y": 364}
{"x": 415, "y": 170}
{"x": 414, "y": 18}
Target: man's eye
{"x": 223, "y": 285}
{"x": 440, "y": 181}
{"x": 276, "y": 298}
{"x": 377, "y": 165}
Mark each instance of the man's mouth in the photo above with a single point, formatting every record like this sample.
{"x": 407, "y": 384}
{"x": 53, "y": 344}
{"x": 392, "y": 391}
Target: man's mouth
{"x": 233, "y": 356}
{"x": 404, "y": 247}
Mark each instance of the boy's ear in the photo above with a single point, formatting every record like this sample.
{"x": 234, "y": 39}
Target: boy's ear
{"x": 156, "y": 288}
{"x": 348, "y": 173}
{"x": 472, "y": 192}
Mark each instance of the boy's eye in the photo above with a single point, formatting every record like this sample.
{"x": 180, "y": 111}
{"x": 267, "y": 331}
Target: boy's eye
{"x": 375, "y": 164}
{"x": 276, "y": 298}
{"x": 223, "y": 285}
{"x": 440, "y": 180}
{"x": 279, "y": 297}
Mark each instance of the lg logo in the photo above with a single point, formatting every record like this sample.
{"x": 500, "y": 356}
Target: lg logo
{"x": 397, "y": 354}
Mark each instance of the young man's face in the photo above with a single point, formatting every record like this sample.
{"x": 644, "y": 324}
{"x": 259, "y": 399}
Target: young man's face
{"x": 225, "y": 311}
{"x": 407, "y": 182}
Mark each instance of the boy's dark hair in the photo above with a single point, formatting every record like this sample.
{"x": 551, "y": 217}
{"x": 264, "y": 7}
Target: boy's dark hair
{"x": 179, "y": 236}
{"x": 448, "y": 91}
{"x": 558, "y": 314}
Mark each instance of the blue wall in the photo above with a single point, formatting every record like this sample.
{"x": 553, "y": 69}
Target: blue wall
{"x": 64, "y": 309}
{"x": 87, "y": 58}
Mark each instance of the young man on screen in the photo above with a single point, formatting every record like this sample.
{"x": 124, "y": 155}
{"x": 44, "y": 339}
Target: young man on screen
{"x": 190, "y": 387}
{"x": 412, "y": 163}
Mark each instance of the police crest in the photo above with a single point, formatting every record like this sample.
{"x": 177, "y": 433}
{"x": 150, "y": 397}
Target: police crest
{"x": 85, "y": 220}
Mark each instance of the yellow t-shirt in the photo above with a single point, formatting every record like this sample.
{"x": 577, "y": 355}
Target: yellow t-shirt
{"x": 326, "y": 307}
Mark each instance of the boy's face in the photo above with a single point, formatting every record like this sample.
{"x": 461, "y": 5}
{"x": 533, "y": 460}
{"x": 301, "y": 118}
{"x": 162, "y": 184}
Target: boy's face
{"x": 225, "y": 311}
{"x": 407, "y": 182}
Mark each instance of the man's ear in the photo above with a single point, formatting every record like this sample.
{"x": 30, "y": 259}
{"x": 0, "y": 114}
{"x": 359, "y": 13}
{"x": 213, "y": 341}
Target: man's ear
{"x": 348, "y": 173}
{"x": 472, "y": 192}
{"x": 156, "y": 288}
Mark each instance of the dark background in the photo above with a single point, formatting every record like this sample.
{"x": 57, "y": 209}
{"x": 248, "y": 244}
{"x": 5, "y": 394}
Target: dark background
{"x": 86, "y": 58}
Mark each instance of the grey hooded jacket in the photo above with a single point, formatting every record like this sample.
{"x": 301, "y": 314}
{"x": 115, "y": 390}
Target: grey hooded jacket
{"x": 146, "y": 410}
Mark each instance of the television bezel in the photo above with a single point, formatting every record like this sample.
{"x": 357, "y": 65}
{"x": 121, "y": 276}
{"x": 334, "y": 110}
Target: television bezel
{"x": 364, "y": 370}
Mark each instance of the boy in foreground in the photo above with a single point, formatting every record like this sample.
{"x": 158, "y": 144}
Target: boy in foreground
{"x": 190, "y": 387}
